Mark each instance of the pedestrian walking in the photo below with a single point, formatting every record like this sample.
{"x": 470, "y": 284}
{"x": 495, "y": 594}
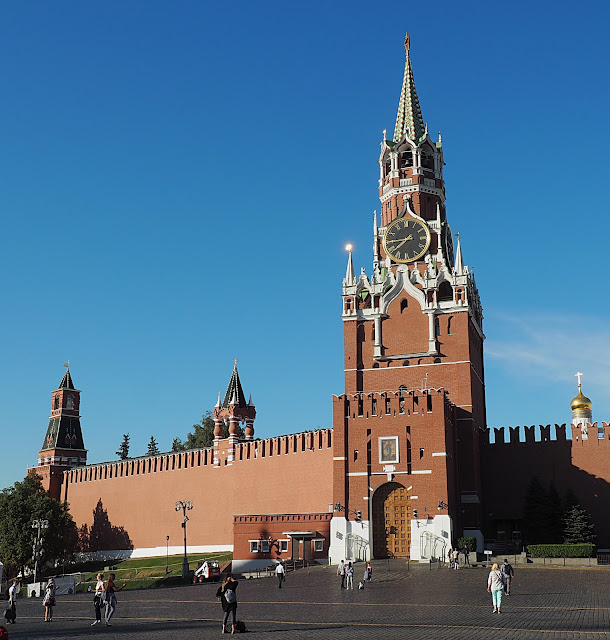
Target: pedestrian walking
{"x": 450, "y": 557}
{"x": 509, "y": 574}
{"x": 280, "y": 570}
{"x": 11, "y": 612}
{"x": 48, "y": 600}
{"x": 495, "y": 585}
{"x": 110, "y": 589}
{"x": 368, "y": 572}
{"x": 341, "y": 572}
{"x": 99, "y": 598}
{"x": 349, "y": 573}
{"x": 456, "y": 559}
{"x": 228, "y": 600}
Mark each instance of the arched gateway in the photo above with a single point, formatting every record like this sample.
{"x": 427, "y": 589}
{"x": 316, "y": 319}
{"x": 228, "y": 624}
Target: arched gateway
{"x": 391, "y": 521}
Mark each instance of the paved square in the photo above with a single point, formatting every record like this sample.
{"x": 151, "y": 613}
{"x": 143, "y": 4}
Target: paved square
{"x": 545, "y": 603}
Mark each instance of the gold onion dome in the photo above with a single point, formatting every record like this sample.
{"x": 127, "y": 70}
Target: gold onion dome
{"x": 581, "y": 402}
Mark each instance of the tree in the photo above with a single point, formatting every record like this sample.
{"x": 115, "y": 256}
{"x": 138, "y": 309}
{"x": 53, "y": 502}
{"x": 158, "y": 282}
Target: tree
{"x": 153, "y": 448}
{"x": 123, "y": 451}
{"x": 202, "y": 435}
{"x": 537, "y": 514}
{"x": 555, "y": 517}
{"x": 20, "y": 505}
{"x": 578, "y": 527}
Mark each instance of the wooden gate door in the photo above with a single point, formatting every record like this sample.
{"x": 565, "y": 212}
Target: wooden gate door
{"x": 391, "y": 522}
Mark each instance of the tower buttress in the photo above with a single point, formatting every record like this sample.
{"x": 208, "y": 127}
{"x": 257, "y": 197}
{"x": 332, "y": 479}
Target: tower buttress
{"x": 63, "y": 446}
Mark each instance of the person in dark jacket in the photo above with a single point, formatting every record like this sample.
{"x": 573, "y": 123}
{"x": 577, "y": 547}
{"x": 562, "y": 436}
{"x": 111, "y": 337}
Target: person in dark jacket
{"x": 228, "y": 600}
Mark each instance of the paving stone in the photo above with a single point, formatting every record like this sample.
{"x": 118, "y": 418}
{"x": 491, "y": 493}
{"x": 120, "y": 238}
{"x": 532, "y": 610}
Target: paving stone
{"x": 400, "y": 602}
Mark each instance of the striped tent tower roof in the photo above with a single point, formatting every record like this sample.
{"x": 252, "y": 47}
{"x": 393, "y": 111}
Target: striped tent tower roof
{"x": 409, "y": 119}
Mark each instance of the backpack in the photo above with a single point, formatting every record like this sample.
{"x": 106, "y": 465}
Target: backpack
{"x": 507, "y": 568}
{"x": 230, "y": 596}
{"x": 361, "y": 585}
{"x": 240, "y": 626}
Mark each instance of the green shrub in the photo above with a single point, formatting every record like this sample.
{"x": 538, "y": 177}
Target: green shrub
{"x": 469, "y": 542}
{"x": 561, "y": 550}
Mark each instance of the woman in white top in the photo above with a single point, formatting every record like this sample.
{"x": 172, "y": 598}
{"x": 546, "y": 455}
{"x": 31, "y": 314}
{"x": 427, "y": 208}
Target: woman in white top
{"x": 49, "y": 600}
{"x": 350, "y": 576}
{"x": 98, "y": 598}
{"x": 495, "y": 584}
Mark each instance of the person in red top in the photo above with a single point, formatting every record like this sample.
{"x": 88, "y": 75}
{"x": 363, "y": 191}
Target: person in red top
{"x": 111, "y": 589}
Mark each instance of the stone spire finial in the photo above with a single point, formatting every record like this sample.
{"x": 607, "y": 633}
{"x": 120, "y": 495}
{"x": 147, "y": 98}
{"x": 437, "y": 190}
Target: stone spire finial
{"x": 409, "y": 119}
{"x": 459, "y": 261}
{"x": 350, "y": 275}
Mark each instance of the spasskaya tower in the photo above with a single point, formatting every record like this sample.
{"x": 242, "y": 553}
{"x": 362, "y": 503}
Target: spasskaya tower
{"x": 412, "y": 332}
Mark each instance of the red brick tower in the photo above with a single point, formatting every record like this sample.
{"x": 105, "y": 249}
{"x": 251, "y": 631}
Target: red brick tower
{"x": 63, "y": 446}
{"x": 413, "y": 344}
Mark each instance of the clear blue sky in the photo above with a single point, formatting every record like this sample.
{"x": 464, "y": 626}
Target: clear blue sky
{"x": 178, "y": 181}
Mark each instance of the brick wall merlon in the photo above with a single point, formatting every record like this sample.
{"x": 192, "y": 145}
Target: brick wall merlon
{"x": 283, "y": 517}
{"x": 282, "y": 445}
{"x": 547, "y": 433}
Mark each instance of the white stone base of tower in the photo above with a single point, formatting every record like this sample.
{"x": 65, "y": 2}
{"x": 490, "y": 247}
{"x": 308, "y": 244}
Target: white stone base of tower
{"x": 350, "y": 540}
{"x": 431, "y": 538}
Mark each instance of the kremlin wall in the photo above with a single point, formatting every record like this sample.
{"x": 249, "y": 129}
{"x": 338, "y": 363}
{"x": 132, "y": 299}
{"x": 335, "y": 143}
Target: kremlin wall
{"x": 408, "y": 467}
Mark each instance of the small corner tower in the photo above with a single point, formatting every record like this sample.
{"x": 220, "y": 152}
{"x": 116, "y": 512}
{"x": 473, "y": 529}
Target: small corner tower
{"x": 63, "y": 446}
{"x": 582, "y": 416}
{"x": 234, "y": 409}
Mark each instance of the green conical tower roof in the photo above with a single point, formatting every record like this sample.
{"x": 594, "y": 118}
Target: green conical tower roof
{"x": 409, "y": 119}
{"x": 235, "y": 394}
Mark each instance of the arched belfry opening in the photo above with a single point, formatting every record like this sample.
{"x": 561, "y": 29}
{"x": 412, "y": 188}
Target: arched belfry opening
{"x": 391, "y": 521}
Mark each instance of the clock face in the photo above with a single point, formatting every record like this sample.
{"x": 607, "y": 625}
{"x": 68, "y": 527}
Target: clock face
{"x": 447, "y": 240}
{"x": 406, "y": 239}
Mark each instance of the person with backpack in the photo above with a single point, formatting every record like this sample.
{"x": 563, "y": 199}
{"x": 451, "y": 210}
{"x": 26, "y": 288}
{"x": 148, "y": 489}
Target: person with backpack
{"x": 509, "y": 573}
{"x": 228, "y": 600}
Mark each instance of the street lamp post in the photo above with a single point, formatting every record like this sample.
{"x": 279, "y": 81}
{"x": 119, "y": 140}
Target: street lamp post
{"x": 39, "y": 525}
{"x": 166, "y": 554}
{"x": 184, "y": 506}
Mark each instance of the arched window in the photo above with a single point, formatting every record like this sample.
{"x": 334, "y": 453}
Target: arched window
{"x": 427, "y": 159}
{"x": 404, "y": 303}
{"x": 445, "y": 292}
{"x": 449, "y": 322}
{"x": 405, "y": 363}
{"x": 406, "y": 159}
{"x": 437, "y": 328}
{"x": 437, "y": 360}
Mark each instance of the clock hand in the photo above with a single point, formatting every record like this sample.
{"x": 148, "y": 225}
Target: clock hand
{"x": 399, "y": 244}
{"x": 409, "y": 237}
